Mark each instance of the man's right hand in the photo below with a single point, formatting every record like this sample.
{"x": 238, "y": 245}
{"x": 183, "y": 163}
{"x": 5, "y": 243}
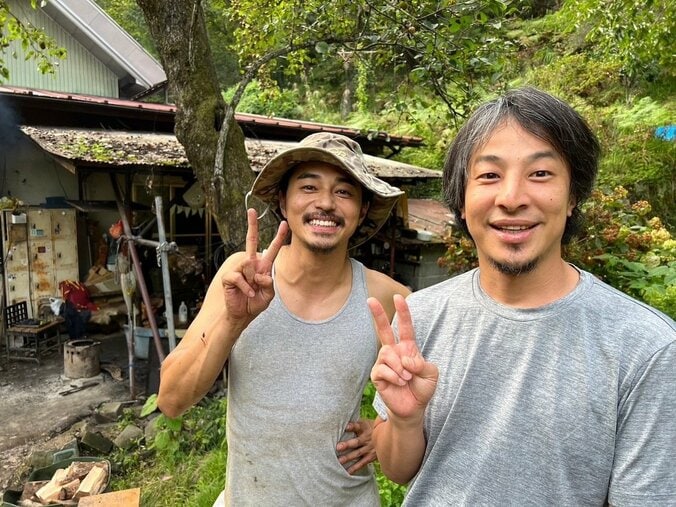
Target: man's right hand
{"x": 247, "y": 283}
{"x": 404, "y": 380}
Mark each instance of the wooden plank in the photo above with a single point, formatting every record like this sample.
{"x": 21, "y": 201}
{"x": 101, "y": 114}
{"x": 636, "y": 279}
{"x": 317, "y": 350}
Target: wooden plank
{"x": 92, "y": 483}
{"x": 126, "y": 497}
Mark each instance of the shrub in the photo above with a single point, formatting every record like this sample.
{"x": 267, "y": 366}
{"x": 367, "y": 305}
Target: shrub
{"x": 629, "y": 248}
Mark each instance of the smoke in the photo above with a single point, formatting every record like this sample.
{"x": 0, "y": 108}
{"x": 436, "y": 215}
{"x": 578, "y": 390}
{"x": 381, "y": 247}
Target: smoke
{"x": 9, "y": 125}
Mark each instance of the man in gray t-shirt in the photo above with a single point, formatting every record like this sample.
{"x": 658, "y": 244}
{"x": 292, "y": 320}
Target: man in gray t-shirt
{"x": 526, "y": 381}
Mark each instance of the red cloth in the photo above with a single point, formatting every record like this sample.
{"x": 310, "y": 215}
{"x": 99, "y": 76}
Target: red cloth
{"x": 77, "y": 294}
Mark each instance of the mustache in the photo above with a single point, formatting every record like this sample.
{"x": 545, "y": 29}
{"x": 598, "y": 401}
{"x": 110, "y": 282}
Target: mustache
{"x": 323, "y": 216}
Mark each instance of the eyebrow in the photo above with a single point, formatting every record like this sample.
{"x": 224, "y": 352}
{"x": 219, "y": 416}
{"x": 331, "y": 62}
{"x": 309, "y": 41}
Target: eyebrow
{"x": 533, "y": 157}
{"x": 310, "y": 175}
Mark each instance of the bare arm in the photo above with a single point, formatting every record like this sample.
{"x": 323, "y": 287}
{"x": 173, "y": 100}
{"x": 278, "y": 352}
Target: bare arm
{"x": 241, "y": 289}
{"x": 360, "y": 448}
{"x": 383, "y": 288}
{"x": 405, "y": 382}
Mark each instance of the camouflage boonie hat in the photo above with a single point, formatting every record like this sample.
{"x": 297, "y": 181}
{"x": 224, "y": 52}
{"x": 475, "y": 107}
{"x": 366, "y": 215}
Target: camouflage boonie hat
{"x": 339, "y": 151}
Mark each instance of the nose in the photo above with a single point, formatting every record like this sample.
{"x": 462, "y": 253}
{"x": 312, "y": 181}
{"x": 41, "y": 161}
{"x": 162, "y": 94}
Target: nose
{"x": 325, "y": 200}
{"x": 512, "y": 193}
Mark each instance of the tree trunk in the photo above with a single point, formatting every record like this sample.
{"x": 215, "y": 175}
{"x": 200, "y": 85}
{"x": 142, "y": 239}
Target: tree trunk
{"x": 179, "y": 32}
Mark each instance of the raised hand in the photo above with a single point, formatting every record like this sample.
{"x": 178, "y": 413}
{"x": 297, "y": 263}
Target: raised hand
{"x": 247, "y": 281}
{"x": 404, "y": 380}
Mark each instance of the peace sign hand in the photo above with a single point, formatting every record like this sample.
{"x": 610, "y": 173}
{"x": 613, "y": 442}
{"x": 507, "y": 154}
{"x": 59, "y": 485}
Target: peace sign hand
{"x": 404, "y": 380}
{"x": 247, "y": 279}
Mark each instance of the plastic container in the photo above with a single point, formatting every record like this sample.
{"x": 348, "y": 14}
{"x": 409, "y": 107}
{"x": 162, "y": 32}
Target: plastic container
{"x": 183, "y": 313}
{"x": 142, "y": 337}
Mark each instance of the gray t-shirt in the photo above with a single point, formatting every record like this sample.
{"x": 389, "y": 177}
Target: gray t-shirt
{"x": 293, "y": 385}
{"x": 573, "y": 403}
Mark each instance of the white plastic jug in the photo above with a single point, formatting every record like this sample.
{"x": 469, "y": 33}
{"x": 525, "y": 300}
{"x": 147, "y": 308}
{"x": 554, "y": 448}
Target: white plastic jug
{"x": 183, "y": 313}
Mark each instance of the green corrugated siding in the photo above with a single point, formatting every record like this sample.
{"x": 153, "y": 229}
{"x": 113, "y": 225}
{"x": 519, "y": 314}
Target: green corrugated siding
{"x": 80, "y": 72}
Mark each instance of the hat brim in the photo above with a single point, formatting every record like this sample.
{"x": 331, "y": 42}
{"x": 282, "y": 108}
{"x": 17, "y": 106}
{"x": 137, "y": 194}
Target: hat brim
{"x": 385, "y": 196}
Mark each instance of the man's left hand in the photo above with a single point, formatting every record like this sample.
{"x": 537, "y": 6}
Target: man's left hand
{"x": 358, "y": 449}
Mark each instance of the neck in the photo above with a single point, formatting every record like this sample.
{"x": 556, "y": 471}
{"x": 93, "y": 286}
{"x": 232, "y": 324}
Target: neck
{"x": 300, "y": 267}
{"x": 312, "y": 286}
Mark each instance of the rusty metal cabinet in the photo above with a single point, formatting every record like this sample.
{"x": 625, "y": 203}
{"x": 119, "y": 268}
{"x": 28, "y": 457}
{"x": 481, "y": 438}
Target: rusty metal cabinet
{"x": 39, "y": 251}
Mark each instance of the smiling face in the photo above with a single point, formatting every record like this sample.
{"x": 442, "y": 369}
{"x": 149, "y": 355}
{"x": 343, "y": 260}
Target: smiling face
{"x": 517, "y": 200}
{"x": 323, "y": 206}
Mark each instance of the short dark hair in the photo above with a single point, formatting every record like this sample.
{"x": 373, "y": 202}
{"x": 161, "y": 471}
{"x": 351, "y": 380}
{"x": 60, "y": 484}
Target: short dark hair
{"x": 542, "y": 115}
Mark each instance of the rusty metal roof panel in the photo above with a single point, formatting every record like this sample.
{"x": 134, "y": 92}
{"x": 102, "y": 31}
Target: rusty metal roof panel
{"x": 257, "y": 125}
{"x": 87, "y": 147}
{"x": 429, "y": 215}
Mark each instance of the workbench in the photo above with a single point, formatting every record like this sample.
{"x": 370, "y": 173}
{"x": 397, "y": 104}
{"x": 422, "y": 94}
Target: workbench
{"x": 29, "y": 343}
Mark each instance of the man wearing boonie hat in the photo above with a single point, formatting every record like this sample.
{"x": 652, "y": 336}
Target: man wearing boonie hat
{"x": 294, "y": 325}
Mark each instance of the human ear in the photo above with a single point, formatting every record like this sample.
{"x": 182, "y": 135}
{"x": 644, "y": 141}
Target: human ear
{"x": 571, "y": 206}
{"x": 364, "y": 210}
{"x": 282, "y": 203}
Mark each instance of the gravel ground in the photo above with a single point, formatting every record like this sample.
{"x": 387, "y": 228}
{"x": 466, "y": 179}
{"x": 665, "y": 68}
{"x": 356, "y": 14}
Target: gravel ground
{"x": 36, "y": 417}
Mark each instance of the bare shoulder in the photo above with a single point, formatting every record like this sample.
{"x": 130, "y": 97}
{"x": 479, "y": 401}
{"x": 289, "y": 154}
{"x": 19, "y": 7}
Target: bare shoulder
{"x": 383, "y": 288}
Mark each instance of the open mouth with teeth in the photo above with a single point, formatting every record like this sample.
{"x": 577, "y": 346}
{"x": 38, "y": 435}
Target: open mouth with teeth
{"x": 513, "y": 228}
{"x": 324, "y": 222}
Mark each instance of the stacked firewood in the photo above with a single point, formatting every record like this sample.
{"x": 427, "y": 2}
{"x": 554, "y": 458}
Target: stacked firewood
{"x": 67, "y": 485}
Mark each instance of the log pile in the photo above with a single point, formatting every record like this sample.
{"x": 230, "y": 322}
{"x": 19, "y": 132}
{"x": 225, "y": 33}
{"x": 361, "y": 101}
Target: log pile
{"x": 67, "y": 485}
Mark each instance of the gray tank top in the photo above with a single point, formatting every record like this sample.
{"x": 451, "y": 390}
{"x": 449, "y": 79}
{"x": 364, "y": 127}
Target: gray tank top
{"x": 293, "y": 385}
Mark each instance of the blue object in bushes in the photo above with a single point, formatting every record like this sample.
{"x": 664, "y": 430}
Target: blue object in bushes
{"x": 667, "y": 132}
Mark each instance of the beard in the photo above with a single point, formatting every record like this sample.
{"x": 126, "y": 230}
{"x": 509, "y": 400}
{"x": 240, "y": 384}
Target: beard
{"x": 320, "y": 249}
{"x": 515, "y": 268}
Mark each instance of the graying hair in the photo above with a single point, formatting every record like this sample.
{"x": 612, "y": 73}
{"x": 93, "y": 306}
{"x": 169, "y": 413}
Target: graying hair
{"x": 542, "y": 115}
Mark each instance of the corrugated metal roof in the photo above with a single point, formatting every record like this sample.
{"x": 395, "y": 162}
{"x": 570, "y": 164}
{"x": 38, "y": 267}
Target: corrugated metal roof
{"x": 429, "y": 215}
{"x": 107, "y": 148}
{"x": 261, "y": 126}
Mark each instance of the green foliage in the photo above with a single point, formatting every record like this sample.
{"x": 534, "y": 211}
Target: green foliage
{"x": 433, "y": 44}
{"x": 578, "y": 75}
{"x": 35, "y": 44}
{"x": 184, "y": 464}
{"x": 644, "y": 165}
{"x": 634, "y": 158}
{"x": 460, "y": 255}
{"x": 129, "y": 16}
{"x": 635, "y": 35}
{"x": 167, "y": 438}
{"x": 266, "y": 100}
{"x": 644, "y": 111}
{"x": 625, "y": 245}
{"x": 391, "y": 493}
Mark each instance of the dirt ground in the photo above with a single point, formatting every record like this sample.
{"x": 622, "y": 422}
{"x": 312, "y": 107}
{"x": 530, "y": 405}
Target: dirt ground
{"x": 34, "y": 416}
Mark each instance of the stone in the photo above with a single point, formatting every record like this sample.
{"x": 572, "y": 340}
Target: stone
{"x": 41, "y": 459}
{"x": 151, "y": 428}
{"x": 109, "y": 411}
{"x": 96, "y": 442}
{"x": 129, "y": 437}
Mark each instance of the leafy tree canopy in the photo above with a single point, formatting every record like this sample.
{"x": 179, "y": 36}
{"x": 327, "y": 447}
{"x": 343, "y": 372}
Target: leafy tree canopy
{"x": 35, "y": 44}
{"x": 445, "y": 44}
